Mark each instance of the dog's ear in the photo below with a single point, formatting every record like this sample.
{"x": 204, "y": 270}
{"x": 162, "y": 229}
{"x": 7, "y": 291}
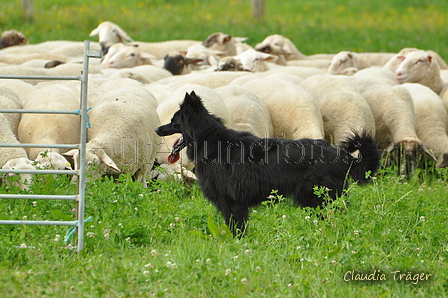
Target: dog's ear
{"x": 192, "y": 98}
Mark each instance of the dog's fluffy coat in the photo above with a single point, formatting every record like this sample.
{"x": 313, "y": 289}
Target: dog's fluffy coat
{"x": 237, "y": 170}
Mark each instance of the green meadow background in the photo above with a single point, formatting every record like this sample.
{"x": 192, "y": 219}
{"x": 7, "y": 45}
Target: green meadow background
{"x": 168, "y": 241}
{"x": 314, "y": 26}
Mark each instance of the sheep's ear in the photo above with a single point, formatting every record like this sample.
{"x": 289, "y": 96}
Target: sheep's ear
{"x": 429, "y": 58}
{"x": 227, "y": 38}
{"x": 70, "y": 153}
{"x": 123, "y": 34}
{"x": 94, "y": 32}
{"x": 401, "y": 58}
{"x": 268, "y": 57}
{"x": 193, "y": 60}
{"x": 109, "y": 162}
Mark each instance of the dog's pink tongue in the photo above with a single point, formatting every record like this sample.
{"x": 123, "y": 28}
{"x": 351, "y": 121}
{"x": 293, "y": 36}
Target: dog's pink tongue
{"x": 173, "y": 157}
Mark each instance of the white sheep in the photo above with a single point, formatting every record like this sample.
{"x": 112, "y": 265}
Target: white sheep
{"x": 346, "y": 59}
{"x": 229, "y": 63}
{"x": 208, "y": 56}
{"x": 247, "y": 111}
{"x": 295, "y": 114}
{"x": 109, "y": 33}
{"x": 420, "y": 67}
{"x": 221, "y": 42}
{"x": 12, "y": 38}
{"x": 343, "y": 110}
{"x": 161, "y": 48}
{"x": 207, "y": 79}
{"x": 122, "y": 136}
{"x": 50, "y": 128}
{"x": 391, "y": 106}
{"x": 31, "y": 71}
{"x": 377, "y": 73}
{"x": 19, "y": 87}
{"x": 431, "y": 120}
{"x": 10, "y": 100}
{"x": 14, "y": 158}
{"x": 396, "y": 60}
{"x": 166, "y": 109}
{"x": 300, "y": 71}
{"x": 122, "y": 55}
{"x": 277, "y": 44}
{"x": 140, "y": 93}
{"x": 255, "y": 61}
{"x": 144, "y": 74}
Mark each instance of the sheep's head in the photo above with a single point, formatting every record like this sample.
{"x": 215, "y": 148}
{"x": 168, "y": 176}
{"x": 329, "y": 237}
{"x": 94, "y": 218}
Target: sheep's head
{"x": 177, "y": 63}
{"x": 125, "y": 56}
{"x": 52, "y": 161}
{"x": 12, "y": 38}
{"x": 19, "y": 164}
{"x": 98, "y": 161}
{"x": 109, "y": 33}
{"x": 229, "y": 64}
{"x": 414, "y": 67}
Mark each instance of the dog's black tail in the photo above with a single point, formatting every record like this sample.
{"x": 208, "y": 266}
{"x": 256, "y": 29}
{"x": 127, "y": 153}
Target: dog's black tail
{"x": 367, "y": 156}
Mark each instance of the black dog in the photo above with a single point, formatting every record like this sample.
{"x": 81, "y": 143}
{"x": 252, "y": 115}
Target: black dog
{"x": 237, "y": 170}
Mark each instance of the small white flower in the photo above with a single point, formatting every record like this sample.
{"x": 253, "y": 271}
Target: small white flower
{"x": 91, "y": 235}
{"x": 128, "y": 239}
{"x": 247, "y": 252}
{"x": 228, "y": 272}
{"x": 172, "y": 225}
{"x": 153, "y": 252}
{"x": 258, "y": 268}
{"x": 422, "y": 218}
{"x": 284, "y": 216}
{"x": 208, "y": 261}
{"x": 235, "y": 258}
{"x": 34, "y": 203}
{"x": 23, "y": 245}
{"x": 244, "y": 281}
{"x": 307, "y": 218}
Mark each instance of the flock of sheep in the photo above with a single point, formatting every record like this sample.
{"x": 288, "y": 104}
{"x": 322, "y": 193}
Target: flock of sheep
{"x": 271, "y": 90}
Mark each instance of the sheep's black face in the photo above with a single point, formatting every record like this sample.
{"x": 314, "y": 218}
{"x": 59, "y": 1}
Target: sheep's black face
{"x": 174, "y": 64}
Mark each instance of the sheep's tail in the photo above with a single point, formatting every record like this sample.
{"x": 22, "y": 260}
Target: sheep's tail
{"x": 367, "y": 156}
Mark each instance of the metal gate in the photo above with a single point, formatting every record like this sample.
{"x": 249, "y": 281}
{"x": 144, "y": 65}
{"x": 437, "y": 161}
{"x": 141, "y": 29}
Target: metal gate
{"x": 81, "y": 172}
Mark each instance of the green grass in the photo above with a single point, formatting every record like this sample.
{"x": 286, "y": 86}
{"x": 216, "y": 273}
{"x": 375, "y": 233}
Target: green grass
{"x": 314, "y": 26}
{"x": 167, "y": 240}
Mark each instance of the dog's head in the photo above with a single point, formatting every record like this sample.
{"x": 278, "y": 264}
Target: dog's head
{"x": 179, "y": 121}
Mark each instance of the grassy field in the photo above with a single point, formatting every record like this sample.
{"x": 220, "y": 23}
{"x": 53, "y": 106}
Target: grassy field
{"x": 168, "y": 241}
{"x": 314, "y": 26}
